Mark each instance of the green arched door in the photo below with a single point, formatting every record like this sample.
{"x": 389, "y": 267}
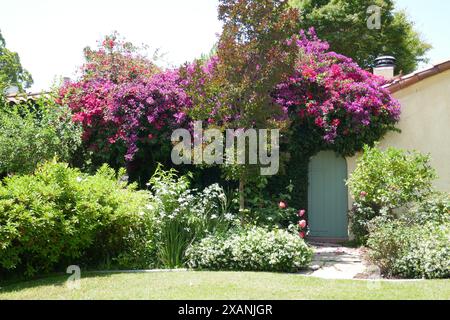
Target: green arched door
{"x": 327, "y": 196}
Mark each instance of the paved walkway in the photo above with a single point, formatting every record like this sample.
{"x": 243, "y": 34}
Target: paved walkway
{"x": 335, "y": 262}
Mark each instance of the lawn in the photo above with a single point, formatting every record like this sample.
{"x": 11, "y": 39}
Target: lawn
{"x": 222, "y": 285}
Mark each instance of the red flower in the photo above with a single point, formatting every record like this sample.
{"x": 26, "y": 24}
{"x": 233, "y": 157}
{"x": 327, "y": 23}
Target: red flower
{"x": 302, "y": 235}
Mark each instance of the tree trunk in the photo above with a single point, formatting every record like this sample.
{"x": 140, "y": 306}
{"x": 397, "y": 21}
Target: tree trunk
{"x": 241, "y": 194}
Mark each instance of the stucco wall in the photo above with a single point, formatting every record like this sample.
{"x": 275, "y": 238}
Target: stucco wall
{"x": 425, "y": 125}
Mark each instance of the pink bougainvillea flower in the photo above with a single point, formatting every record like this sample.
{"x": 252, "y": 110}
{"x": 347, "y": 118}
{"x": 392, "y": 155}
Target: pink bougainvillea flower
{"x": 319, "y": 122}
{"x": 328, "y": 90}
{"x": 301, "y": 213}
{"x": 336, "y": 122}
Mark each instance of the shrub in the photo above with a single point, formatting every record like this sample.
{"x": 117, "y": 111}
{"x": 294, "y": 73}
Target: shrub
{"x": 60, "y": 216}
{"x": 387, "y": 180}
{"x": 410, "y": 251}
{"x": 183, "y": 215}
{"x": 264, "y": 207}
{"x": 427, "y": 255}
{"x": 252, "y": 249}
{"x": 360, "y": 217}
{"x": 391, "y": 178}
{"x": 32, "y": 134}
{"x": 434, "y": 208}
{"x": 126, "y": 106}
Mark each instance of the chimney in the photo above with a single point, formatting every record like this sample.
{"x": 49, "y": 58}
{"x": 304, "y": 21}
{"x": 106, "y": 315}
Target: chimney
{"x": 384, "y": 67}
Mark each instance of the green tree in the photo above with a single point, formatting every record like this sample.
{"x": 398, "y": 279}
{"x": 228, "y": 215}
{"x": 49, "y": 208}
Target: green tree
{"x": 35, "y": 132}
{"x": 11, "y": 71}
{"x": 343, "y": 23}
{"x": 253, "y": 55}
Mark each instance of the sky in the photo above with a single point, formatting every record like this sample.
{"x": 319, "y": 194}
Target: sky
{"x": 50, "y": 35}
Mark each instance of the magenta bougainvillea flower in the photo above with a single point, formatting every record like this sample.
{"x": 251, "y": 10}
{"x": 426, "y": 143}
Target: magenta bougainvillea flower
{"x": 327, "y": 93}
{"x": 132, "y": 112}
{"x": 334, "y": 94}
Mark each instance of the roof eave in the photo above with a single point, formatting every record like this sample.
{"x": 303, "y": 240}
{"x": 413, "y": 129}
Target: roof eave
{"x": 409, "y": 80}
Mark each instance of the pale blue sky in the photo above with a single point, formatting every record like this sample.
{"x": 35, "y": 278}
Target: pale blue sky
{"x": 49, "y": 35}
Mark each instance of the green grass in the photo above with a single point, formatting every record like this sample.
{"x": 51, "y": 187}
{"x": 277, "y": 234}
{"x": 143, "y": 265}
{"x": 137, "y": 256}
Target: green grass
{"x": 222, "y": 285}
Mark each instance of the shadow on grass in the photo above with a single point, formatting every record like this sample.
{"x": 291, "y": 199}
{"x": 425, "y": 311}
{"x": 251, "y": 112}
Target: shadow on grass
{"x": 57, "y": 279}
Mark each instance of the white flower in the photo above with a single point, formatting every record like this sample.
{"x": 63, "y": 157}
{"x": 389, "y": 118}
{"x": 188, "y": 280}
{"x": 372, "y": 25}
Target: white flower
{"x": 229, "y": 216}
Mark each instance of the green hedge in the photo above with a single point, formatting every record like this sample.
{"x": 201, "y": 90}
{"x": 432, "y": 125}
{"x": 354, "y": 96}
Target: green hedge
{"x": 59, "y": 216}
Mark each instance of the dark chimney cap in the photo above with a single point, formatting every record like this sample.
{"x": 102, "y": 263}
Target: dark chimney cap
{"x": 385, "y": 61}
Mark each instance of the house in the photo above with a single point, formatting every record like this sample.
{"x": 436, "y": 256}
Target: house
{"x": 425, "y": 126}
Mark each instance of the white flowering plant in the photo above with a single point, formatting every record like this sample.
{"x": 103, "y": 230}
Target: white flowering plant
{"x": 182, "y": 215}
{"x": 251, "y": 249}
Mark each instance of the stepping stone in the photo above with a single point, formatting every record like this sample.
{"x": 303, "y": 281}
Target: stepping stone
{"x": 336, "y": 262}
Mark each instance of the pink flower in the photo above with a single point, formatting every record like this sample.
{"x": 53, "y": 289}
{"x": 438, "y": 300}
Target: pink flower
{"x": 301, "y": 213}
{"x": 282, "y": 205}
{"x": 336, "y": 122}
{"x": 319, "y": 122}
{"x": 302, "y": 235}
{"x": 363, "y": 194}
{"x": 302, "y": 224}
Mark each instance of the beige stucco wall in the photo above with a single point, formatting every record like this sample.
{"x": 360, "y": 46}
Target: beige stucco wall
{"x": 425, "y": 125}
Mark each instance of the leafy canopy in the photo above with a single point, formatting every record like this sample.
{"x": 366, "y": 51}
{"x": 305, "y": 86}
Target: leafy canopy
{"x": 33, "y": 133}
{"x": 11, "y": 71}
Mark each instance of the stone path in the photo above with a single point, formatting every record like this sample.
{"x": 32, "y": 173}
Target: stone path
{"x": 335, "y": 262}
